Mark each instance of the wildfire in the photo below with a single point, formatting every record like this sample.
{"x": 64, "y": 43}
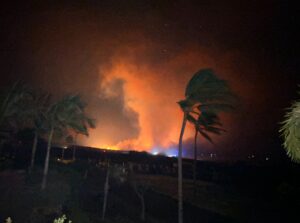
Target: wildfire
{"x": 151, "y": 92}
{"x": 152, "y": 99}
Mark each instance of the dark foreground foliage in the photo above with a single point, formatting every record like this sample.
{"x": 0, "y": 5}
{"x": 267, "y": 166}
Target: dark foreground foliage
{"x": 76, "y": 189}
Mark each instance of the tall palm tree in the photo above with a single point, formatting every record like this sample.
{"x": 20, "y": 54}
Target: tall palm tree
{"x": 290, "y": 131}
{"x": 67, "y": 113}
{"x": 23, "y": 108}
{"x": 204, "y": 90}
{"x": 29, "y": 112}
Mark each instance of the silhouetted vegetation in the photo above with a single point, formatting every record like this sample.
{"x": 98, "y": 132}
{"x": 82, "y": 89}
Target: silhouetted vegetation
{"x": 205, "y": 96}
{"x": 22, "y": 107}
{"x": 290, "y": 131}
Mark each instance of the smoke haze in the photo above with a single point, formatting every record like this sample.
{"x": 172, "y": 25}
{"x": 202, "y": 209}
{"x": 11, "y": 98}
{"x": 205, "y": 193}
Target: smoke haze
{"x": 131, "y": 62}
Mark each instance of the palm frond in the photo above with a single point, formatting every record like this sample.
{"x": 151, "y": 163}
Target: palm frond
{"x": 215, "y": 130}
{"x": 206, "y": 87}
{"x": 187, "y": 104}
{"x": 206, "y": 96}
{"x": 191, "y": 119}
{"x": 91, "y": 122}
{"x": 216, "y": 107}
{"x": 290, "y": 131}
{"x": 206, "y": 136}
{"x": 69, "y": 113}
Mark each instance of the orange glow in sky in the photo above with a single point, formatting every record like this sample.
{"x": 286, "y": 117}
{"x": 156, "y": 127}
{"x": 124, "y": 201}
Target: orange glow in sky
{"x": 152, "y": 92}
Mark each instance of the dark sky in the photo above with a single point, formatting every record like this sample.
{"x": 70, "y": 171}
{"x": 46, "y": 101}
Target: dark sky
{"x": 130, "y": 60}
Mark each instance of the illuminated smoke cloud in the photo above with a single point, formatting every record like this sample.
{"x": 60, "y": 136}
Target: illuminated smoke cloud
{"x": 151, "y": 89}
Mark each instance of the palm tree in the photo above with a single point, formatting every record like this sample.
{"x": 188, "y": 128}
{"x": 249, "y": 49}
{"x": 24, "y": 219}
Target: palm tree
{"x": 11, "y": 106}
{"x": 29, "y": 112}
{"x": 36, "y": 110}
{"x": 204, "y": 90}
{"x": 10, "y": 99}
{"x": 205, "y": 123}
{"x": 22, "y": 108}
{"x": 290, "y": 131}
{"x": 74, "y": 146}
{"x": 67, "y": 113}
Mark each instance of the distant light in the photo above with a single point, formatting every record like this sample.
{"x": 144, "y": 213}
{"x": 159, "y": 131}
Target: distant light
{"x": 155, "y": 151}
{"x": 171, "y": 152}
{"x": 267, "y": 158}
{"x": 171, "y": 155}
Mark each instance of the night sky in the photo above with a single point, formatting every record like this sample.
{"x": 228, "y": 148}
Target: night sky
{"x": 131, "y": 60}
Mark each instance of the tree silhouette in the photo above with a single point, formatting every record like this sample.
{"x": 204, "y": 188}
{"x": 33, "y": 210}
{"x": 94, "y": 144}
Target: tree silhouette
{"x": 206, "y": 122}
{"x": 67, "y": 113}
{"x": 290, "y": 132}
{"x": 204, "y": 91}
{"x": 36, "y": 112}
{"x": 12, "y": 102}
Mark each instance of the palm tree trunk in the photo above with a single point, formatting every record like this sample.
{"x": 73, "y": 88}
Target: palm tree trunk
{"x": 34, "y": 146}
{"x": 106, "y": 188}
{"x": 142, "y": 199}
{"x": 46, "y": 166}
{"x": 74, "y": 148}
{"x": 74, "y": 152}
{"x": 143, "y": 208}
{"x": 62, "y": 153}
{"x": 1, "y": 146}
{"x": 180, "y": 201}
{"x": 195, "y": 163}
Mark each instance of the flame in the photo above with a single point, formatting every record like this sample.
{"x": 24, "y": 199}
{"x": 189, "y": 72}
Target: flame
{"x": 111, "y": 147}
